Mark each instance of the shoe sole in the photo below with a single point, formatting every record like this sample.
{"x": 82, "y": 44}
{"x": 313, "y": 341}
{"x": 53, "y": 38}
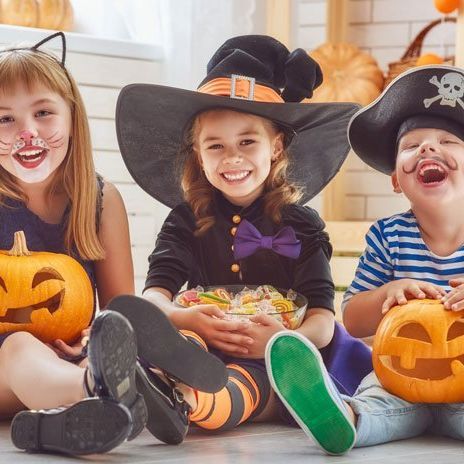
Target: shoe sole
{"x": 297, "y": 374}
{"x": 113, "y": 355}
{"x": 161, "y": 345}
{"x": 164, "y": 421}
{"x": 93, "y": 425}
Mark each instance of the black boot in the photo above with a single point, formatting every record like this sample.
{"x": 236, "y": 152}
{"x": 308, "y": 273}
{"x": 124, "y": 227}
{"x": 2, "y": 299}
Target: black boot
{"x": 93, "y": 425}
{"x": 161, "y": 345}
{"x": 112, "y": 354}
{"x": 168, "y": 413}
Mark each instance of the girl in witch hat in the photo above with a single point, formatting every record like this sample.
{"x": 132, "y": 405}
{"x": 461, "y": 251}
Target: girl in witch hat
{"x": 236, "y": 160}
{"x": 414, "y": 132}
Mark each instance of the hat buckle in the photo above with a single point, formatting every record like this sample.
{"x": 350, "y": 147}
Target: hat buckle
{"x": 235, "y": 79}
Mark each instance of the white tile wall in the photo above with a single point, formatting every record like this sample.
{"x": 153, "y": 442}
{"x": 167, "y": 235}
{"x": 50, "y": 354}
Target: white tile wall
{"x": 383, "y": 28}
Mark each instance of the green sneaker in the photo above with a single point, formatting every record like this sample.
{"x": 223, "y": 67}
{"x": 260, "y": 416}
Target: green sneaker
{"x": 298, "y": 375}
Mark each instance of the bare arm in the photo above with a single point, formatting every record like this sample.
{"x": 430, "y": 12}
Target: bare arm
{"x": 365, "y": 310}
{"x": 162, "y": 298}
{"x": 318, "y": 326}
{"x": 114, "y": 273}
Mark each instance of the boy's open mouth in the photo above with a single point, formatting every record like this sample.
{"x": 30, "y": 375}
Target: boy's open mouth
{"x": 431, "y": 173}
{"x": 30, "y": 157}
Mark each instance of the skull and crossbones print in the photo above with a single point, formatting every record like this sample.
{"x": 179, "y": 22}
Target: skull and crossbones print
{"x": 450, "y": 90}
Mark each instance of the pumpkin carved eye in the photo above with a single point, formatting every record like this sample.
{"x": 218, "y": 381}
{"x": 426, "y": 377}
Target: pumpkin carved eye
{"x": 456, "y": 330}
{"x": 2, "y": 284}
{"x": 414, "y": 331}
{"x": 46, "y": 273}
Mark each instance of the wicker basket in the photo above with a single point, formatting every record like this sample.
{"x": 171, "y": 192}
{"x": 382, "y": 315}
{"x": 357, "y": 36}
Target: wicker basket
{"x": 408, "y": 60}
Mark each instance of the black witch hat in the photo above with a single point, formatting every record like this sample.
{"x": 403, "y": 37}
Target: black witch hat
{"x": 253, "y": 74}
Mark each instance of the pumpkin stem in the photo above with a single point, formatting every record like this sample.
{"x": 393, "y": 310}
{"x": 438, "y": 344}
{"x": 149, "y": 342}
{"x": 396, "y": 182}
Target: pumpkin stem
{"x": 19, "y": 245}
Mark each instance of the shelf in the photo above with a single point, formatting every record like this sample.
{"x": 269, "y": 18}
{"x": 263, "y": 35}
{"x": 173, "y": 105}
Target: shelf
{"x": 83, "y": 43}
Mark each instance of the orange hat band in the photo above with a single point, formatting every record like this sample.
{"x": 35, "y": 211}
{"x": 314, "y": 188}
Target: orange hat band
{"x": 242, "y": 88}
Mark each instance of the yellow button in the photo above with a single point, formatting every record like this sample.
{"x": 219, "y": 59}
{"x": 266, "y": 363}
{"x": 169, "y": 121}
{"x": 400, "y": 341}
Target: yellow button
{"x": 233, "y": 231}
{"x": 236, "y": 219}
{"x": 235, "y": 268}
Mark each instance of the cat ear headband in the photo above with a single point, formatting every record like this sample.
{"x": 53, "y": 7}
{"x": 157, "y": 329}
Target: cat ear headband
{"x": 43, "y": 41}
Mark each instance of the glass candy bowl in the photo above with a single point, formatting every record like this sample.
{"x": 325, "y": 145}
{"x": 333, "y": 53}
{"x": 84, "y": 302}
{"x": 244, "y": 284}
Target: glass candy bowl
{"x": 242, "y": 302}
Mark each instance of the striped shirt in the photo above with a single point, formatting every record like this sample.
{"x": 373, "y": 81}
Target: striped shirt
{"x": 395, "y": 250}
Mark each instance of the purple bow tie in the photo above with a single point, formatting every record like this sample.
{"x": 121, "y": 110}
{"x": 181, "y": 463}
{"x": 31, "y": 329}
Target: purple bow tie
{"x": 248, "y": 240}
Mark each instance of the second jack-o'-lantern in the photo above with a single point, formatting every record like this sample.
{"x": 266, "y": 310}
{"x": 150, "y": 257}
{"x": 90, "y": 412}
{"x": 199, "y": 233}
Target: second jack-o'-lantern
{"x": 418, "y": 352}
{"x": 46, "y": 294}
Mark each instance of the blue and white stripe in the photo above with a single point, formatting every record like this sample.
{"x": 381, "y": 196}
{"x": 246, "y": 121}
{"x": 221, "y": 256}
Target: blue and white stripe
{"x": 395, "y": 250}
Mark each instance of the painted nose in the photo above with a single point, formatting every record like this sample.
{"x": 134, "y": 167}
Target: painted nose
{"x": 26, "y": 136}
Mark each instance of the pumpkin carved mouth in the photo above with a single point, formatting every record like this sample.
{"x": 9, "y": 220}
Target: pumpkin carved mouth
{"x": 23, "y": 315}
{"x": 426, "y": 369}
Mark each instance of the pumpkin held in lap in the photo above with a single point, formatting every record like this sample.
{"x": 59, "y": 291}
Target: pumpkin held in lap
{"x": 418, "y": 352}
{"x": 46, "y": 294}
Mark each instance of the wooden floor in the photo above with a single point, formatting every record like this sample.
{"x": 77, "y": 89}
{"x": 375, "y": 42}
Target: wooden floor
{"x": 255, "y": 443}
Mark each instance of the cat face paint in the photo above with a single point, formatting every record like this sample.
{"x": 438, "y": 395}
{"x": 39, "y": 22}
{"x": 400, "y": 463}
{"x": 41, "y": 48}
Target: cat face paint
{"x": 35, "y": 127}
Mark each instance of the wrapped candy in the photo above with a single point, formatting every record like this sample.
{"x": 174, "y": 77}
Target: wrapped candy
{"x": 247, "y": 302}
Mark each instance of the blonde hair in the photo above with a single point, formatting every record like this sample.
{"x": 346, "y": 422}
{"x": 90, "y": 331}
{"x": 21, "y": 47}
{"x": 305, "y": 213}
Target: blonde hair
{"x": 199, "y": 193}
{"x": 76, "y": 174}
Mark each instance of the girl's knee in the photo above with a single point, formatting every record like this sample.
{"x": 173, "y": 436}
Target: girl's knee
{"x": 16, "y": 343}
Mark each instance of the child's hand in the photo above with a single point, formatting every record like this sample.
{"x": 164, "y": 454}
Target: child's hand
{"x": 262, "y": 328}
{"x": 70, "y": 352}
{"x": 209, "y": 322}
{"x": 454, "y": 299}
{"x": 400, "y": 291}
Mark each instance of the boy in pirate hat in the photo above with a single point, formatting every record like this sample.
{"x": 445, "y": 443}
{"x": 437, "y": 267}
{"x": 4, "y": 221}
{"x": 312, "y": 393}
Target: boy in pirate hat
{"x": 414, "y": 132}
{"x": 250, "y": 154}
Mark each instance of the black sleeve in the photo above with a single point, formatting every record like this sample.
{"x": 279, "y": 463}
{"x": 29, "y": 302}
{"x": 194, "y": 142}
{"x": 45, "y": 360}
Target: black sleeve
{"x": 312, "y": 273}
{"x": 171, "y": 261}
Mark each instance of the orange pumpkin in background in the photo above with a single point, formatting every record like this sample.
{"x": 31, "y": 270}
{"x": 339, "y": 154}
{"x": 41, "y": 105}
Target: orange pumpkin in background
{"x": 418, "y": 352}
{"x": 19, "y": 12}
{"x": 55, "y": 14}
{"x": 46, "y": 294}
{"x": 350, "y": 75}
{"x": 47, "y": 14}
{"x": 446, "y": 6}
{"x": 429, "y": 58}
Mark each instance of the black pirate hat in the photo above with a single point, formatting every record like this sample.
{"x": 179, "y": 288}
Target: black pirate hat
{"x": 423, "y": 97}
{"x": 254, "y": 74}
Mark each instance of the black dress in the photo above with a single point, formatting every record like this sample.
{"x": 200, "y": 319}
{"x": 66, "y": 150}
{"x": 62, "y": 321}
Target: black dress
{"x": 179, "y": 256}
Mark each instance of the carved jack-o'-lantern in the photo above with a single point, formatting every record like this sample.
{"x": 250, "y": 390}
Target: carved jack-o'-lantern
{"x": 418, "y": 352}
{"x": 46, "y": 294}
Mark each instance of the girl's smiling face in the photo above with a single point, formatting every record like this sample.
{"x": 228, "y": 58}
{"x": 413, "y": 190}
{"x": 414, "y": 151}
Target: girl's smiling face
{"x": 236, "y": 151}
{"x": 430, "y": 166}
{"x": 35, "y": 129}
